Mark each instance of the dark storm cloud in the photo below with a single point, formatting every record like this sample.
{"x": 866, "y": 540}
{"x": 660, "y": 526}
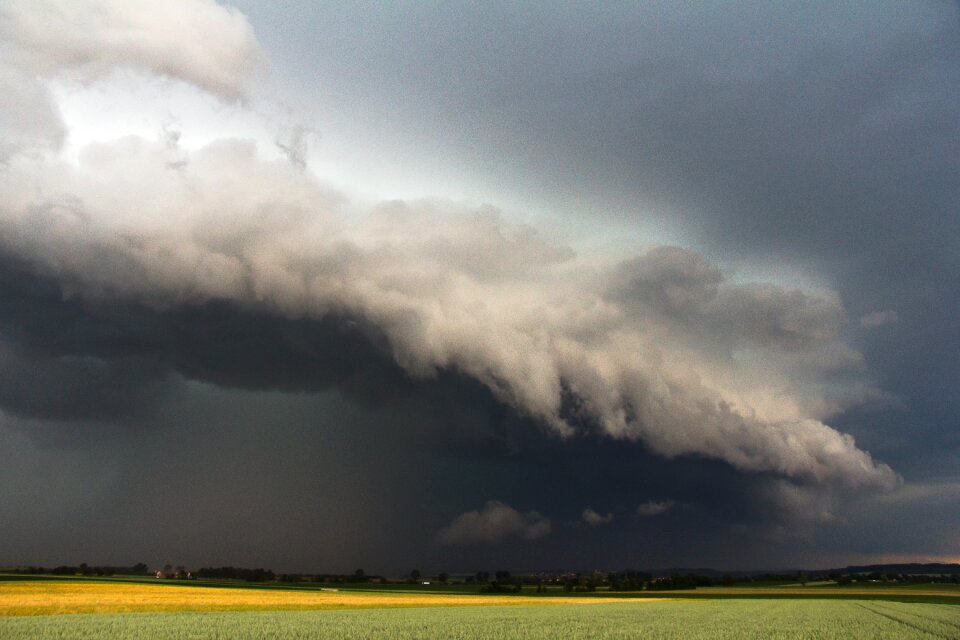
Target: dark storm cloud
{"x": 235, "y": 331}
{"x": 454, "y": 290}
{"x": 221, "y": 456}
{"x": 73, "y": 358}
{"x": 285, "y": 440}
{"x": 819, "y": 137}
{"x": 450, "y": 425}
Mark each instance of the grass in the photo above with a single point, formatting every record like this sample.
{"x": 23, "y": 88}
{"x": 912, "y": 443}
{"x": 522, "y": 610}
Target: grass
{"x": 665, "y": 620}
{"x": 908, "y": 593}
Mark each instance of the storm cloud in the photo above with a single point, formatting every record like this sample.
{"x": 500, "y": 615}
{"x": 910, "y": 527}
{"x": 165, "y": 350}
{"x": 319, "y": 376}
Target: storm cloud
{"x": 142, "y": 265}
{"x": 452, "y": 289}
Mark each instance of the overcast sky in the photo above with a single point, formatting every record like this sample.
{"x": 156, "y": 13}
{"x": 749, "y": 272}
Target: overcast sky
{"x": 461, "y": 286}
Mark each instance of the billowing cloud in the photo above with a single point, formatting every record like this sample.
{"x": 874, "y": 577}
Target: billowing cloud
{"x": 198, "y": 41}
{"x": 663, "y": 348}
{"x": 723, "y": 370}
{"x": 29, "y": 120}
{"x": 496, "y": 521}
{"x": 655, "y": 508}
{"x": 594, "y": 519}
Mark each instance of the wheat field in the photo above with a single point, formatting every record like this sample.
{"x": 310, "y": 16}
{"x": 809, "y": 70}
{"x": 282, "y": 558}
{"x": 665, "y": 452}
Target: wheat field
{"x": 663, "y": 620}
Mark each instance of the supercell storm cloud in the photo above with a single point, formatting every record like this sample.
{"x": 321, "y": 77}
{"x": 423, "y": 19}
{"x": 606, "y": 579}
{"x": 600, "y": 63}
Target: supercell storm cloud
{"x": 140, "y": 270}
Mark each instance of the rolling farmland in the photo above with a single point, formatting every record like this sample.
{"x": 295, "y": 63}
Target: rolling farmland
{"x": 89, "y": 610}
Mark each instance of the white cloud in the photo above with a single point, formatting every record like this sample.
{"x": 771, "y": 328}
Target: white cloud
{"x": 29, "y": 121}
{"x": 654, "y": 508}
{"x": 594, "y": 519}
{"x": 878, "y": 319}
{"x": 496, "y": 521}
{"x": 197, "y": 41}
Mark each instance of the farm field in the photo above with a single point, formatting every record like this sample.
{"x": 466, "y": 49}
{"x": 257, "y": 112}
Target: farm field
{"x": 918, "y": 593}
{"x": 663, "y": 619}
{"x": 64, "y": 597}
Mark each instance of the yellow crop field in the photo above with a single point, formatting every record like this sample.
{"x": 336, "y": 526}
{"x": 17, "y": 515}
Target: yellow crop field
{"x": 55, "y": 597}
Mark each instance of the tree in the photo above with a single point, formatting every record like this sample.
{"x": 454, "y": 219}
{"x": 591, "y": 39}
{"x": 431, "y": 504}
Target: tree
{"x": 442, "y": 577}
{"x": 415, "y": 575}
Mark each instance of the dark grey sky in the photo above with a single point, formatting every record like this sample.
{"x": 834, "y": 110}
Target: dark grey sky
{"x": 528, "y": 260}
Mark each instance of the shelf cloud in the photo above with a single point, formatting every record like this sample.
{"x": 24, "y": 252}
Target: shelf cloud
{"x": 136, "y": 266}
{"x": 661, "y": 348}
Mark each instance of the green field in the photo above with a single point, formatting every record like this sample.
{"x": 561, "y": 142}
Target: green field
{"x": 719, "y": 619}
{"x": 139, "y": 608}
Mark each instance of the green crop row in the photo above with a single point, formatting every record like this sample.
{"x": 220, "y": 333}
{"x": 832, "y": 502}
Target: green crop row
{"x": 721, "y": 619}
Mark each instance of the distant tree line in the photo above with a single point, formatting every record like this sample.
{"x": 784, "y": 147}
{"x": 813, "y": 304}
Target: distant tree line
{"x": 645, "y": 581}
{"x": 357, "y": 577}
{"x": 503, "y": 581}
{"x": 910, "y": 568}
{"x": 910, "y": 578}
{"x": 629, "y": 580}
{"x": 83, "y": 569}
{"x": 236, "y": 573}
{"x": 678, "y": 581}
